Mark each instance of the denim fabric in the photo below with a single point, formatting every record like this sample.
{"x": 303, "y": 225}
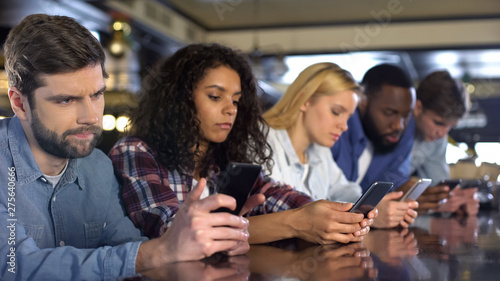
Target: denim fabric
{"x": 428, "y": 160}
{"x": 75, "y": 231}
{"x": 393, "y": 166}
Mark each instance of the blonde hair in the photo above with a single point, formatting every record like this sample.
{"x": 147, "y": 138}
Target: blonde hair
{"x": 318, "y": 79}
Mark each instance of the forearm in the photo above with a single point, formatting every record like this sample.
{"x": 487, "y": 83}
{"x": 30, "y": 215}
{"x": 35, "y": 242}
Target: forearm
{"x": 270, "y": 227}
{"x": 105, "y": 263}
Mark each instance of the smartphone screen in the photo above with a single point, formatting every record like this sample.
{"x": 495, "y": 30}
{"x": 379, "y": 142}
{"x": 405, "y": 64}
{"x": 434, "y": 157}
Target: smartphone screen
{"x": 237, "y": 181}
{"x": 416, "y": 190}
{"x": 369, "y": 200}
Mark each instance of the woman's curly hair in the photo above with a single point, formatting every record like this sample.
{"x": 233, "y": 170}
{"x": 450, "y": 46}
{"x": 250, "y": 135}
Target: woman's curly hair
{"x": 166, "y": 118}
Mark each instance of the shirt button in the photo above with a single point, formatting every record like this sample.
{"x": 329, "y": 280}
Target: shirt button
{"x": 44, "y": 179}
{"x": 62, "y": 243}
{"x": 54, "y": 199}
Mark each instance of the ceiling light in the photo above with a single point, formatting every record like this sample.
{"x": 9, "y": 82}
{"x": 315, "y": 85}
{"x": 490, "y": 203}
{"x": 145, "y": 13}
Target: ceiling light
{"x": 121, "y": 123}
{"x": 108, "y": 122}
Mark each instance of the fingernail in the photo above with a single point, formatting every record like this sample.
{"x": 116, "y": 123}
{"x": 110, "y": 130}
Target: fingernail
{"x": 361, "y": 254}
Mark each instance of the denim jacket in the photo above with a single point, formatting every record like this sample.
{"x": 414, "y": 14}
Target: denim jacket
{"x": 75, "y": 231}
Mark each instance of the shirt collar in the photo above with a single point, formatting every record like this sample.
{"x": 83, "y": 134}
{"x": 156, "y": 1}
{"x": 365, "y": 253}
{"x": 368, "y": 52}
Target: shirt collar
{"x": 27, "y": 169}
{"x": 311, "y": 152}
{"x": 356, "y": 132}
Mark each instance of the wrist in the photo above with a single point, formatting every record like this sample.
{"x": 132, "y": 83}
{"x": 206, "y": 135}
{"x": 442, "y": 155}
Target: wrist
{"x": 289, "y": 223}
{"x": 151, "y": 255}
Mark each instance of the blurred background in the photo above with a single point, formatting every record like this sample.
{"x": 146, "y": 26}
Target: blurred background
{"x": 282, "y": 37}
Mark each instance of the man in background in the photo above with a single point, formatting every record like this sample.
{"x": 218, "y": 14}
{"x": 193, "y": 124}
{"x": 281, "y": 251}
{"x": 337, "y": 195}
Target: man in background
{"x": 377, "y": 145}
{"x": 441, "y": 102}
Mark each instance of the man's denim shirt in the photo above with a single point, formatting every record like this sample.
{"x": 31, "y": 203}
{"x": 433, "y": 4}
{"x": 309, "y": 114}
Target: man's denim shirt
{"x": 75, "y": 231}
{"x": 392, "y": 166}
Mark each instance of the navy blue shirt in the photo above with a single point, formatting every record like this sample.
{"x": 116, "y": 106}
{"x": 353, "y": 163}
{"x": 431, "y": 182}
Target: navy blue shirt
{"x": 392, "y": 167}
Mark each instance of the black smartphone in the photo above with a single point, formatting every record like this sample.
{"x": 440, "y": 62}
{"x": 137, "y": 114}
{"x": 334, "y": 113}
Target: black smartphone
{"x": 416, "y": 190}
{"x": 470, "y": 183}
{"x": 450, "y": 183}
{"x": 369, "y": 200}
{"x": 237, "y": 181}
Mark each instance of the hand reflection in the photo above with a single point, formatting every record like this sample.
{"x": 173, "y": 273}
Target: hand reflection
{"x": 391, "y": 243}
{"x": 455, "y": 230}
{"x": 217, "y": 267}
{"x": 325, "y": 262}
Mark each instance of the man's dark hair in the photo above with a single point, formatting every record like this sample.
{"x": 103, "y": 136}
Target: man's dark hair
{"x": 384, "y": 74}
{"x": 166, "y": 118}
{"x": 43, "y": 44}
{"x": 444, "y": 95}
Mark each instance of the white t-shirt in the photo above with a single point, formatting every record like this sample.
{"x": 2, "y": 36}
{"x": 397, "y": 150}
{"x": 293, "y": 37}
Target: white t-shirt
{"x": 364, "y": 161}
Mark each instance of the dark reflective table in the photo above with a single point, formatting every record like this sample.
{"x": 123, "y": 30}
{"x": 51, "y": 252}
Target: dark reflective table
{"x": 435, "y": 248}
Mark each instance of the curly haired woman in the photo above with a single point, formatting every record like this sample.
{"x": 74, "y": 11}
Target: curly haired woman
{"x": 199, "y": 111}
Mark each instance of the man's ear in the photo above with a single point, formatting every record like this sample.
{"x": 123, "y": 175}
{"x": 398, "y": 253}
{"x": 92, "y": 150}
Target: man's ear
{"x": 419, "y": 108}
{"x": 19, "y": 103}
{"x": 362, "y": 105}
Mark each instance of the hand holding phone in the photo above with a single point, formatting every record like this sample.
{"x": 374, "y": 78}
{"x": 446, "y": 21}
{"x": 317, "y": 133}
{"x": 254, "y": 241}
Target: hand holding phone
{"x": 416, "y": 190}
{"x": 369, "y": 200}
{"x": 450, "y": 183}
{"x": 237, "y": 181}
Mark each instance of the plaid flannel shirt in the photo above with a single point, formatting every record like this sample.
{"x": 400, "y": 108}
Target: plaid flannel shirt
{"x": 152, "y": 194}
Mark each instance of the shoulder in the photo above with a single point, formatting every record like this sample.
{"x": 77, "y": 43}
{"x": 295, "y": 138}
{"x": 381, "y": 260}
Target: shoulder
{"x": 273, "y": 134}
{"x": 276, "y": 137}
{"x": 130, "y": 145}
{"x": 4, "y": 124}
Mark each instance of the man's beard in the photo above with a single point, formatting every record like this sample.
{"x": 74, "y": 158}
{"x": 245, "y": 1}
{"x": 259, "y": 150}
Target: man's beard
{"x": 375, "y": 137}
{"x": 59, "y": 146}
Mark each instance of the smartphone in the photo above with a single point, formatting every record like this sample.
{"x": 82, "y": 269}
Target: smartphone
{"x": 369, "y": 200}
{"x": 450, "y": 183}
{"x": 416, "y": 190}
{"x": 237, "y": 181}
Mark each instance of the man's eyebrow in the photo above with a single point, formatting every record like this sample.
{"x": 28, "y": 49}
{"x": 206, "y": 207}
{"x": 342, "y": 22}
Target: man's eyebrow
{"x": 67, "y": 96}
{"x": 388, "y": 107}
{"x": 102, "y": 90}
{"x": 62, "y": 97}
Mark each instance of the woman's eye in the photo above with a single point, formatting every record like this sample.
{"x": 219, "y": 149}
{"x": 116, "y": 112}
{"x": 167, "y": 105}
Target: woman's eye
{"x": 212, "y": 97}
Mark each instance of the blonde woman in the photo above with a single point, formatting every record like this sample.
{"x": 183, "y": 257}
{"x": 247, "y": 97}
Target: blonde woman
{"x": 305, "y": 123}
